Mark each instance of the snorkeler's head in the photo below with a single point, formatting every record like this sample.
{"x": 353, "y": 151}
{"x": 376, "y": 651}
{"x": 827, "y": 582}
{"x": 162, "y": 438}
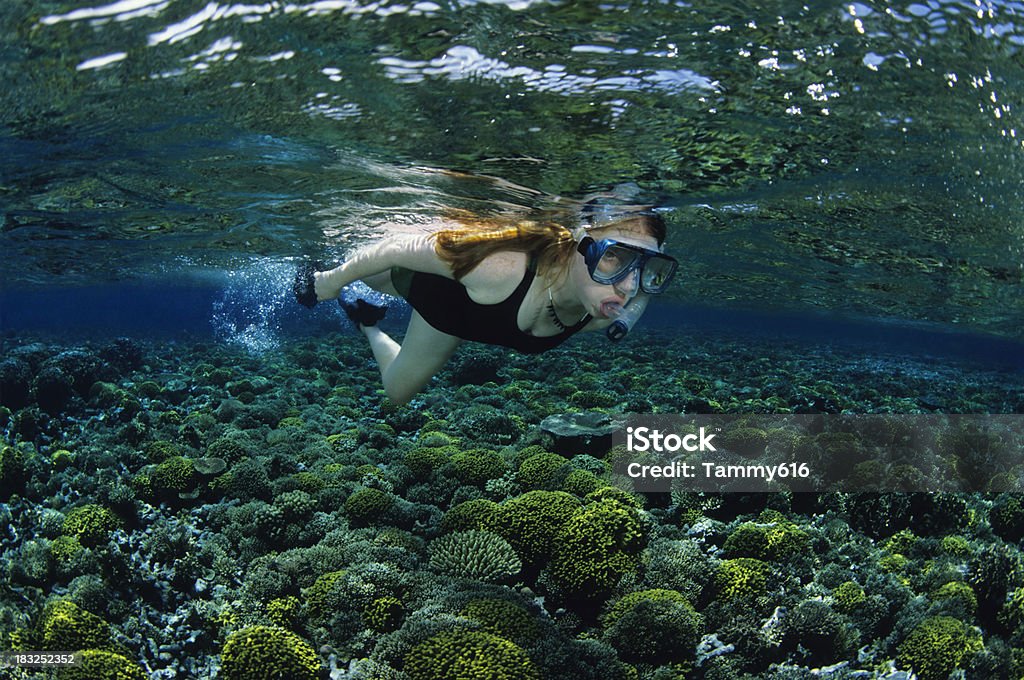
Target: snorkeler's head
{"x": 596, "y": 217}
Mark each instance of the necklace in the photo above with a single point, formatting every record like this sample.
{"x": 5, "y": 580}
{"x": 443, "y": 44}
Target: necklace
{"x": 553, "y": 314}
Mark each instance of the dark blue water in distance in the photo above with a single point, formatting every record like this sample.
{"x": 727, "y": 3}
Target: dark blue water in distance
{"x": 171, "y": 310}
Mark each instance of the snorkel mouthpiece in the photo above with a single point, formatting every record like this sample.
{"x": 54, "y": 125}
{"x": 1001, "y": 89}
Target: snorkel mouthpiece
{"x": 613, "y": 310}
{"x": 625, "y": 317}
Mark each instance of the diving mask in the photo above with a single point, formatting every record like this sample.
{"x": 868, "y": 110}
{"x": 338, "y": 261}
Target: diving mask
{"x": 610, "y": 261}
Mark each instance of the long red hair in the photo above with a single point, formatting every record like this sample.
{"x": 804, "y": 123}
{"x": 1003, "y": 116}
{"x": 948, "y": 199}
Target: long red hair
{"x": 546, "y": 238}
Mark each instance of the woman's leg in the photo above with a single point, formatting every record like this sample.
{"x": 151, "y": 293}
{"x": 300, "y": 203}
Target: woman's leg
{"x": 382, "y": 283}
{"x": 405, "y": 369}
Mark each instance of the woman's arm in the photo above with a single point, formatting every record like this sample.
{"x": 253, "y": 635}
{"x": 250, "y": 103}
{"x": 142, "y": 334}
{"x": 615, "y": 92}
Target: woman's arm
{"x": 413, "y": 251}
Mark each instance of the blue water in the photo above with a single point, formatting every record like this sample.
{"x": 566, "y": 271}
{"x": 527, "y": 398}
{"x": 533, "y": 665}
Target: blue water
{"x": 264, "y": 319}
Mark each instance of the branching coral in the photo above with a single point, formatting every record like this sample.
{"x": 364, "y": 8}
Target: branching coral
{"x": 479, "y": 555}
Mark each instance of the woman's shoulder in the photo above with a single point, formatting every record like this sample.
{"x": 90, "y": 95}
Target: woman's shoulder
{"x": 496, "y": 277}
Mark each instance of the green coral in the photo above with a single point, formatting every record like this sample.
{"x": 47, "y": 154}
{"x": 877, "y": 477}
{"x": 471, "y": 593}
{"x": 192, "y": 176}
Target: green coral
{"x": 228, "y": 449}
{"x": 464, "y": 654}
{"x": 848, "y": 596}
{"x": 284, "y": 611}
{"x": 780, "y": 540}
{"x": 12, "y": 470}
{"x": 307, "y": 481}
{"x": 526, "y": 452}
{"x": 384, "y": 614}
{"x": 476, "y": 466}
{"x": 614, "y": 493}
{"x": 176, "y": 475}
{"x": 63, "y": 549}
{"x": 937, "y": 647}
{"x": 959, "y": 595}
{"x": 594, "y": 399}
{"x": 503, "y": 618}
{"x": 1007, "y": 517}
{"x": 531, "y": 522}
{"x": 599, "y": 545}
{"x": 62, "y": 459}
{"x": 741, "y": 577}
{"x": 435, "y": 438}
{"x": 161, "y": 450}
{"x": 478, "y": 555}
{"x": 955, "y": 545}
{"x": 368, "y": 504}
{"x": 319, "y": 600}
{"x": 90, "y": 524}
{"x": 477, "y": 513}
{"x": 266, "y": 653}
{"x": 424, "y": 460}
{"x": 901, "y": 542}
{"x": 99, "y": 664}
{"x": 1012, "y": 614}
{"x": 582, "y": 482}
{"x": 64, "y": 626}
{"x": 543, "y": 471}
{"x": 655, "y": 626}
{"x": 893, "y": 563}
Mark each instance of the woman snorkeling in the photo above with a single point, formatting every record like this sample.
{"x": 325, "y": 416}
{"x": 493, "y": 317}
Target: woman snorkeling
{"x": 527, "y": 285}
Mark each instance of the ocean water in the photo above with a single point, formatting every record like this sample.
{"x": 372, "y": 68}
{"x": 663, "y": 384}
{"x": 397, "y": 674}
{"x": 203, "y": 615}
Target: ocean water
{"x": 208, "y": 467}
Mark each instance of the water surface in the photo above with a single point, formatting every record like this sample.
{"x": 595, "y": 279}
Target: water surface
{"x": 861, "y": 159}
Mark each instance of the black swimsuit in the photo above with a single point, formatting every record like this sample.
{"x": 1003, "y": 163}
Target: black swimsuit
{"x": 445, "y": 304}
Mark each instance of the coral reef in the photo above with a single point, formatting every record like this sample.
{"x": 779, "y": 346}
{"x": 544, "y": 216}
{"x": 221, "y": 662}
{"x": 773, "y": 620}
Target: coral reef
{"x": 274, "y": 516}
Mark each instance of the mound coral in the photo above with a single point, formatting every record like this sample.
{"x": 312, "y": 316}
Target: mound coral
{"x": 12, "y": 471}
{"x": 531, "y": 522}
{"x": 476, "y": 466}
{"x": 774, "y": 540}
{"x": 937, "y": 647}
{"x": 90, "y": 524}
{"x": 655, "y": 626}
{"x": 741, "y": 577}
{"x": 65, "y": 626}
{"x": 473, "y": 514}
{"x": 266, "y": 653}
{"x": 424, "y": 460}
{"x": 461, "y": 654}
{"x": 368, "y": 504}
{"x": 599, "y": 544}
{"x": 384, "y": 614}
{"x": 503, "y": 618}
{"x": 543, "y": 471}
{"x": 98, "y": 664}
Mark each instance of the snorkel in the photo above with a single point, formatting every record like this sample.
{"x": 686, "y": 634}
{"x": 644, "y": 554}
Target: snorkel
{"x": 628, "y": 315}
